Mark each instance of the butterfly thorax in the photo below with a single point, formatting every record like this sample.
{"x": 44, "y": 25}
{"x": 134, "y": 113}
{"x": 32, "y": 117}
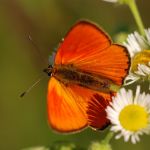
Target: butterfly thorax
{"x": 70, "y": 75}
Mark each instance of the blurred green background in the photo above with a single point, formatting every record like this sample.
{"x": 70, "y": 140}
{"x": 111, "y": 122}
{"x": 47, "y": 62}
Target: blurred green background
{"x": 23, "y": 122}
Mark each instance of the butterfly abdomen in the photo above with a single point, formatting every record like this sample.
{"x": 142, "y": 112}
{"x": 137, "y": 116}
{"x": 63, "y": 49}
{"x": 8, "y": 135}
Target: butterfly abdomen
{"x": 68, "y": 75}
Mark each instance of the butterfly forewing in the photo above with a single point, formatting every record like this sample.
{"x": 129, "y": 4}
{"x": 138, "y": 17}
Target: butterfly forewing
{"x": 83, "y": 38}
{"x": 88, "y": 47}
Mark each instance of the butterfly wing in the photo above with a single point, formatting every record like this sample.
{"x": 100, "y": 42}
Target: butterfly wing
{"x": 82, "y": 38}
{"x": 88, "y": 48}
{"x": 70, "y": 108}
{"x": 67, "y": 106}
{"x": 113, "y": 63}
{"x": 97, "y": 117}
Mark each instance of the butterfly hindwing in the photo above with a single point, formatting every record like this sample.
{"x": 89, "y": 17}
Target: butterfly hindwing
{"x": 71, "y": 108}
{"x": 66, "y": 106}
{"x": 97, "y": 117}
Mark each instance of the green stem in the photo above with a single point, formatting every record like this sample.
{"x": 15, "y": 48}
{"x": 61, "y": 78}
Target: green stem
{"x": 102, "y": 145}
{"x": 114, "y": 87}
{"x": 108, "y": 137}
{"x": 133, "y": 7}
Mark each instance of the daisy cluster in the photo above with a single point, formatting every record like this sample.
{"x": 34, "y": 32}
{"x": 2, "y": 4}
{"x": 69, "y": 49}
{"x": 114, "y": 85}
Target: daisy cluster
{"x": 136, "y": 44}
{"x": 129, "y": 113}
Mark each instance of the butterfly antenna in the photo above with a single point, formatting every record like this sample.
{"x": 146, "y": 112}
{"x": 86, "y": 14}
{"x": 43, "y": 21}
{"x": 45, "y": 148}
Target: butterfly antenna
{"x": 33, "y": 85}
{"x": 37, "y": 49}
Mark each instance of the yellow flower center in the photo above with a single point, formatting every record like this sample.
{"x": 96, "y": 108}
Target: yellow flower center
{"x": 142, "y": 57}
{"x": 133, "y": 117}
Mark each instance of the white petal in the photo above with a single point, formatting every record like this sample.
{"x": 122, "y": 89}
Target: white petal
{"x": 133, "y": 140}
{"x": 126, "y": 137}
{"x": 115, "y": 128}
{"x": 136, "y": 43}
{"x": 147, "y": 32}
{"x": 131, "y": 78}
{"x": 137, "y": 94}
{"x": 118, "y": 136}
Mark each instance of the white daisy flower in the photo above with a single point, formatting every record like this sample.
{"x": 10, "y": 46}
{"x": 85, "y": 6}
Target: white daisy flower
{"x": 139, "y": 49}
{"x": 143, "y": 70}
{"x": 143, "y": 74}
{"x": 136, "y": 42}
{"x": 129, "y": 114}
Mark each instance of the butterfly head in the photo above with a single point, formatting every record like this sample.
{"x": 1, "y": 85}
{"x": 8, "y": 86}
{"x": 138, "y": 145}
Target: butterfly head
{"x": 48, "y": 70}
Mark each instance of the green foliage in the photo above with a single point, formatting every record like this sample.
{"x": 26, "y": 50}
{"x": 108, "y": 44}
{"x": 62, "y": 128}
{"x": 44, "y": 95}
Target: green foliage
{"x": 59, "y": 145}
{"x": 63, "y": 145}
{"x": 100, "y": 146}
{"x": 36, "y": 148}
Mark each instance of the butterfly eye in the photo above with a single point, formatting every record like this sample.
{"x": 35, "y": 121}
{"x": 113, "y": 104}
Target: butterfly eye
{"x": 48, "y": 70}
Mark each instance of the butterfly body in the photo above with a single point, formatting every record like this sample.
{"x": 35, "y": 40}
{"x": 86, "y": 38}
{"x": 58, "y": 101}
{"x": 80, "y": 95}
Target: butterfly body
{"x": 70, "y": 75}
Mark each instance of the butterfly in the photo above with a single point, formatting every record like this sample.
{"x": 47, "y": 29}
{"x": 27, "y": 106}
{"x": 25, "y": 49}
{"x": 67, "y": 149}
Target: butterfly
{"x": 86, "y": 65}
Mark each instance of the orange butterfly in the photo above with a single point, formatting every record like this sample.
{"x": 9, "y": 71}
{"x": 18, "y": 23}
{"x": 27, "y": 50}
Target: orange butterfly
{"x": 85, "y": 66}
